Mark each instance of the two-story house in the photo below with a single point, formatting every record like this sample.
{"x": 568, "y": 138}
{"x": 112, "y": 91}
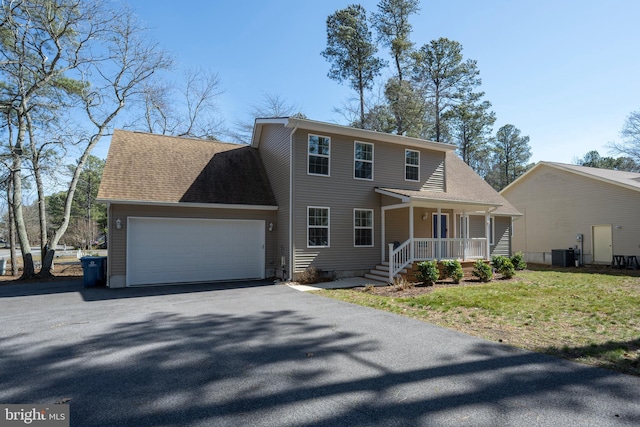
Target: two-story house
{"x": 304, "y": 193}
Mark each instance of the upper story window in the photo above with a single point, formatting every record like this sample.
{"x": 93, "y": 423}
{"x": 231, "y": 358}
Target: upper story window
{"x": 411, "y": 165}
{"x": 319, "y": 151}
{"x": 363, "y": 160}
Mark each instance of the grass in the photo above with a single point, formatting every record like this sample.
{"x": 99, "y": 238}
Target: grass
{"x": 592, "y": 318}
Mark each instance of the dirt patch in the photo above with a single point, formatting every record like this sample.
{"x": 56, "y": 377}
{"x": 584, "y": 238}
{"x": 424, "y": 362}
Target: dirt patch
{"x": 61, "y": 271}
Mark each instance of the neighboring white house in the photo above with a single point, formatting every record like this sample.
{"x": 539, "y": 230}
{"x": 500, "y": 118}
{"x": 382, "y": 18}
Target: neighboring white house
{"x": 596, "y": 211}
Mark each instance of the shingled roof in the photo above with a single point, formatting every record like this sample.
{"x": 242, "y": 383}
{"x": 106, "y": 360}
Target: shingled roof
{"x": 463, "y": 186}
{"x": 143, "y": 167}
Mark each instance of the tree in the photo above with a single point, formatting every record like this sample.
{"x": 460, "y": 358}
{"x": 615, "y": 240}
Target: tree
{"x": 84, "y": 57}
{"x": 378, "y": 118}
{"x": 394, "y": 29}
{"x": 471, "y": 124}
{"x": 510, "y": 154}
{"x": 84, "y": 209}
{"x": 443, "y": 78}
{"x": 351, "y": 51}
{"x": 270, "y": 105}
{"x": 594, "y": 160}
{"x": 192, "y": 112}
{"x": 631, "y": 138}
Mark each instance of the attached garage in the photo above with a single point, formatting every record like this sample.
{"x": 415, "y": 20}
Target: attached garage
{"x": 183, "y": 210}
{"x": 188, "y": 250}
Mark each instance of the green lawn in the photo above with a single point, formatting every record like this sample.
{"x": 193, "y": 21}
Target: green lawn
{"x": 588, "y": 317}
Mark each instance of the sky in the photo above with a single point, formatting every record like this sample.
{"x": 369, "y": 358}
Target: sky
{"x": 564, "y": 72}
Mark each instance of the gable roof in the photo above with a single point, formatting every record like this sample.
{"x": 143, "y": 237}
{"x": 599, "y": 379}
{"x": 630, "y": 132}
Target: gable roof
{"x": 463, "y": 186}
{"x": 630, "y": 180}
{"x": 148, "y": 168}
{"x": 316, "y": 126}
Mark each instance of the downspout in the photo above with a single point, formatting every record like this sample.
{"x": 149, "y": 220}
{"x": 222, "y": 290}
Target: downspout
{"x": 109, "y": 236}
{"x": 291, "y": 260}
{"x": 488, "y": 230}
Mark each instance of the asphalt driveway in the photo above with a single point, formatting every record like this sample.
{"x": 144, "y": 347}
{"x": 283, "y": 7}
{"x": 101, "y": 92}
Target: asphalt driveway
{"x": 267, "y": 355}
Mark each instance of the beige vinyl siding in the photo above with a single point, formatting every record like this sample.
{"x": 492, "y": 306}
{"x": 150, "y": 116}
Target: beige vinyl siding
{"x": 117, "y": 238}
{"x": 396, "y": 227}
{"x": 434, "y": 172}
{"x": 388, "y": 200}
{"x": 274, "y": 152}
{"x": 342, "y": 193}
{"x": 501, "y": 234}
{"x": 557, "y": 205}
{"x": 477, "y": 226}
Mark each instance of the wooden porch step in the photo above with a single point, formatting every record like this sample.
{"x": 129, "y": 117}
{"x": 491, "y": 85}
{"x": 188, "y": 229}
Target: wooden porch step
{"x": 381, "y": 272}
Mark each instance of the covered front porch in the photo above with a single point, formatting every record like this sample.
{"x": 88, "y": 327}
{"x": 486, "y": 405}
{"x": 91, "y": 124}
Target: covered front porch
{"x": 427, "y": 226}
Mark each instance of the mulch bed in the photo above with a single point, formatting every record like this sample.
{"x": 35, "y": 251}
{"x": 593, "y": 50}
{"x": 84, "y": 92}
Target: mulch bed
{"x": 418, "y": 289}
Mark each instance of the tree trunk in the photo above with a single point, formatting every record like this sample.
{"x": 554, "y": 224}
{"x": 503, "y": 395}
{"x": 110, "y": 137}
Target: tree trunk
{"x": 47, "y": 262}
{"x": 12, "y": 231}
{"x": 27, "y": 259}
{"x": 37, "y": 173}
{"x": 361, "y": 105}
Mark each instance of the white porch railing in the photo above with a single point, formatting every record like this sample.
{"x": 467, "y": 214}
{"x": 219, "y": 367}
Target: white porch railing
{"x": 439, "y": 249}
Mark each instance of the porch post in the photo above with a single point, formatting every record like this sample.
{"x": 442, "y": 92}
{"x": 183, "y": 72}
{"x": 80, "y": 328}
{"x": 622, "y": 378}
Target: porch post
{"x": 439, "y": 234}
{"x": 382, "y": 232}
{"x": 465, "y": 234}
{"x": 411, "y": 230}
{"x": 487, "y": 231}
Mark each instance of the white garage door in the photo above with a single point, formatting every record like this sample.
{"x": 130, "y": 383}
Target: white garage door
{"x": 180, "y": 250}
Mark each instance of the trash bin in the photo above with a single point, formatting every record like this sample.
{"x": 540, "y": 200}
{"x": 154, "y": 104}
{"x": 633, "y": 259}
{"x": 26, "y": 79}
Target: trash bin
{"x": 3, "y": 266}
{"x": 94, "y": 270}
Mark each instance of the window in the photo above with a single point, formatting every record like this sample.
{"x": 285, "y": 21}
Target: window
{"x": 319, "y": 151}
{"x": 411, "y": 165}
{"x": 363, "y": 227}
{"x": 363, "y": 160}
{"x": 318, "y": 227}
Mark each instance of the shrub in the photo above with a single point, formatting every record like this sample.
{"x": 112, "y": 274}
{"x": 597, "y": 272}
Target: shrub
{"x": 309, "y": 276}
{"x": 400, "y": 283}
{"x": 497, "y": 261}
{"x": 453, "y": 269}
{"x": 506, "y": 269}
{"x": 518, "y": 261}
{"x": 428, "y": 272}
{"x": 482, "y": 271}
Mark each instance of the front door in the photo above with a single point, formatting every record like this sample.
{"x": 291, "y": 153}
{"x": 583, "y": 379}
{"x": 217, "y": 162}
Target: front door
{"x": 443, "y": 251}
{"x": 444, "y": 218}
{"x": 602, "y": 244}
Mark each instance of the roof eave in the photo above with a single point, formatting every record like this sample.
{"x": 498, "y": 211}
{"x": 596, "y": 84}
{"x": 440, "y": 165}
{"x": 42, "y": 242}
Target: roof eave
{"x": 473, "y": 204}
{"x": 316, "y": 126}
{"x": 188, "y": 204}
{"x": 259, "y": 123}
